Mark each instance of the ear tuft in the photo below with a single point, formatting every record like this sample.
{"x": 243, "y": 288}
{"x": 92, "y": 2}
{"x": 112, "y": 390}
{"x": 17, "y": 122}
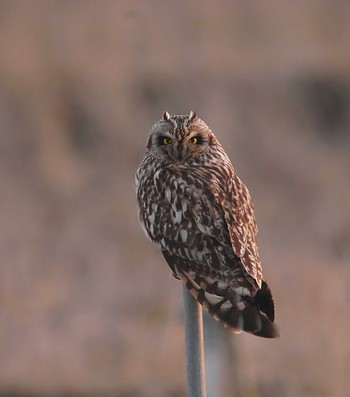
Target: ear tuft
{"x": 192, "y": 115}
{"x": 166, "y": 116}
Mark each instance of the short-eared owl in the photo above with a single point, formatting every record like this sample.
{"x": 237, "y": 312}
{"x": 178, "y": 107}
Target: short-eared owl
{"x": 195, "y": 208}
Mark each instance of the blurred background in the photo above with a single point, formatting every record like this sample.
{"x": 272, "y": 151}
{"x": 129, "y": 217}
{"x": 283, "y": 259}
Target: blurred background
{"x": 87, "y": 304}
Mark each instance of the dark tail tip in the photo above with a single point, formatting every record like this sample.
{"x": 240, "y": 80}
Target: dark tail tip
{"x": 257, "y": 323}
{"x": 268, "y": 329}
{"x": 264, "y": 301}
{"x": 264, "y": 304}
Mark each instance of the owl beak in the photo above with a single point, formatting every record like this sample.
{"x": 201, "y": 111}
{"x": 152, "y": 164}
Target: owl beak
{"x": 179, "y": 151}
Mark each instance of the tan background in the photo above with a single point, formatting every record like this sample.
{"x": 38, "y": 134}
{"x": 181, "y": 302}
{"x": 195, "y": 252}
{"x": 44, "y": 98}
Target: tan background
{"x": 87, "y": 306}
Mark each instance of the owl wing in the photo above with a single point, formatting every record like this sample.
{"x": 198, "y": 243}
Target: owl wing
{"x": 195, "y": 237}
{"x": 221, "y": 211}
{"x": 240, "y": 221}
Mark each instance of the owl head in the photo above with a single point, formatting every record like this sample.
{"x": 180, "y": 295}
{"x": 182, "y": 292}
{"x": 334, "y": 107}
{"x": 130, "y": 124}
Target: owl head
{"x": 179, "y": 138}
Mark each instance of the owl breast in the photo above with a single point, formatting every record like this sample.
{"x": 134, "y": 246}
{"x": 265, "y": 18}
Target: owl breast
{"x": 179, "y": 213}
{"x": 169, "y": 205}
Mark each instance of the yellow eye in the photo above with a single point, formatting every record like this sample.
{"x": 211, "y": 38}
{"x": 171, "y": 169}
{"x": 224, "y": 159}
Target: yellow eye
{"x": 166, "y": 141}
{"x": 194, "y": 140}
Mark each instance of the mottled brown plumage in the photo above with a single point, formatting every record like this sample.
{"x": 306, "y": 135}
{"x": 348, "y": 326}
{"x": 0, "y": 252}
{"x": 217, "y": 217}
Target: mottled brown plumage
{"x": 195, "y": 208}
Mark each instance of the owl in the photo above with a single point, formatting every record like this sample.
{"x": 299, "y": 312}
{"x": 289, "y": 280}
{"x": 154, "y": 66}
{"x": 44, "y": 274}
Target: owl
{"x": 198, "y": 212}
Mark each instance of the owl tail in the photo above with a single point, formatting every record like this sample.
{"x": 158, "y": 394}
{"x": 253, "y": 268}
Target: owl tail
{"x": 236, "y": 312}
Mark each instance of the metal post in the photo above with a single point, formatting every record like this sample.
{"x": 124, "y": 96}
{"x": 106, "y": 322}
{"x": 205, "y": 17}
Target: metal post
{"x": 215, "y": 364}
{"x": 194, "y": 346}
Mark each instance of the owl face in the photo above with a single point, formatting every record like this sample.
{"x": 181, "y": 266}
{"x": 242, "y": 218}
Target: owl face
{"x": 179, "y": 138}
